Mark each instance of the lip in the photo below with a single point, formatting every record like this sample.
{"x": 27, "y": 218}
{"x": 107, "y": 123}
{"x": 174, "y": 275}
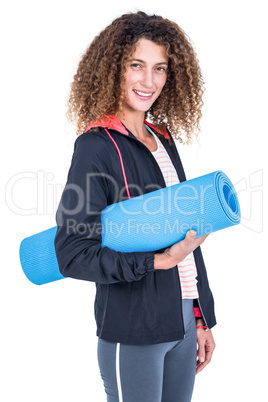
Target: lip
{"x": 143, "y": 97}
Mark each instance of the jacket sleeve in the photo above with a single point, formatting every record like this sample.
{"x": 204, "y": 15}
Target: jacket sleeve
{"x": 78, "y": 237}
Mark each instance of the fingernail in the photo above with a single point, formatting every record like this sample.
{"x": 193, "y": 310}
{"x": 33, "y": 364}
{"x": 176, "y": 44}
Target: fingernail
{"x": 201, "y": 359}
{"x": 192, "y": 233}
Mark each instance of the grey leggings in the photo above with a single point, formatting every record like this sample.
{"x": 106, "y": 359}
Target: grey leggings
{"x": 163, "y": 372}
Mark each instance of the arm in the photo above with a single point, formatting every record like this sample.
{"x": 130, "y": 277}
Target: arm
{"x": 78, "y": 238}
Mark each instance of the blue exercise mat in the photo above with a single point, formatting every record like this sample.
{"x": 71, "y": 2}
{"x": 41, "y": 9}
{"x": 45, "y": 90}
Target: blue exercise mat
{"x": 152, "y": 221}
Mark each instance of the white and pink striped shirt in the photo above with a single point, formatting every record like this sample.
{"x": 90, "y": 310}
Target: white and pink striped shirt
{"x": 186, "y": 268}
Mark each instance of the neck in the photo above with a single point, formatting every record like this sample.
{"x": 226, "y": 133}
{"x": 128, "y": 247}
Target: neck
{"x": 135, "y": 123}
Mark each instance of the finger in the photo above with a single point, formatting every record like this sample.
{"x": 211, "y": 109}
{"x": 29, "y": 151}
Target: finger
{"x": 201, "y": 353}
{"x": 200, "y": 364}
{"x": 190, "y": 235}
{"x": 201, "y": 356}
{"x": 208, "y": 357}
{"x": 200, "y": 367}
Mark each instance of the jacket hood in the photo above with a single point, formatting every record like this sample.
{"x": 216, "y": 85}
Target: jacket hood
{"x": 114, "y": 123}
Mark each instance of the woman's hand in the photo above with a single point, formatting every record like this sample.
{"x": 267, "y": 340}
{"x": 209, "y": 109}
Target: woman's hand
{"x": 206, "y": 346}
{"x": 178, "y": 251}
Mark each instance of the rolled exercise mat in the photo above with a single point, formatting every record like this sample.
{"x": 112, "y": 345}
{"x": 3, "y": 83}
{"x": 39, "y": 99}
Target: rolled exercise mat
{"x": 38, "y": 257}
{"x": 148, "y": 222}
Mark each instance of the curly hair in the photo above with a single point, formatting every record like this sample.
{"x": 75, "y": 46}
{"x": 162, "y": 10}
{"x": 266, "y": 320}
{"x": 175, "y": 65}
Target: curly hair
{"x": 97, "y": 89}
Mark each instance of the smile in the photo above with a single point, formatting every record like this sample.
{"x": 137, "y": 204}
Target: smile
{"x": 143, "y": 94}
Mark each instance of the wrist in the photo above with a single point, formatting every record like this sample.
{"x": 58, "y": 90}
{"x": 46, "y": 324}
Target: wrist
{"x": 164, "y": 260}
{"x": 202, "y": 327}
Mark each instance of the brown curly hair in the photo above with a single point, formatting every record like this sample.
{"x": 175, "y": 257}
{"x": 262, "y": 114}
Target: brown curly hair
{"x": 97, "y": 89}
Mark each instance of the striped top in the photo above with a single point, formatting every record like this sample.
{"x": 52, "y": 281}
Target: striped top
{"x": 187, "y": 268}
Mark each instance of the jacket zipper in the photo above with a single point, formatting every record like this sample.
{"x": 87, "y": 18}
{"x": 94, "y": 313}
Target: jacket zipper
{"x": 182, "y": 319}
{"x": 203, "y": 316}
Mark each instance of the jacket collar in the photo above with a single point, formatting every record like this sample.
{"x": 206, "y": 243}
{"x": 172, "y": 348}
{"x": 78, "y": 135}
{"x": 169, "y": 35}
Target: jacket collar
{"x": 114, "y": 123}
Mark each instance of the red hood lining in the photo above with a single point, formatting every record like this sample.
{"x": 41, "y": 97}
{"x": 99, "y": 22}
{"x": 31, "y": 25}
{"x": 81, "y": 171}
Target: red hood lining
{"x": 114, "y": 123}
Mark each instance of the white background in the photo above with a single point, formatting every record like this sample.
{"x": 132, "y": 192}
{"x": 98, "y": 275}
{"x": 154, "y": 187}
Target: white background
{"x": 48, "y": 341}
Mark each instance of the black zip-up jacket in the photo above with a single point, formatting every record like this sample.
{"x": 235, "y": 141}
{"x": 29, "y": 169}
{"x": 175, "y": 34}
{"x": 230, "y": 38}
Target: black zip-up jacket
{"x": 135, "y": 304}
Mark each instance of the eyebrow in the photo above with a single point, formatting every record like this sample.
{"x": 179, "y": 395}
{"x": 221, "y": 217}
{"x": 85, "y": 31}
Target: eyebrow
{"x": 142, "y": 61}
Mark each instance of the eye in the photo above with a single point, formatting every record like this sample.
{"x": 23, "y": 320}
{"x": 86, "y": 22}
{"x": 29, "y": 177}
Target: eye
{"x": 161, "y": 69}
{"x": 135, "y": 65}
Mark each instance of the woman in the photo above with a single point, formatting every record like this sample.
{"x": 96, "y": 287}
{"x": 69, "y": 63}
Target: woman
{"x": 150, "y": 310}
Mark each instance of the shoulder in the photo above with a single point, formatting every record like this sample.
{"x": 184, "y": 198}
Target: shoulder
{"x": 92, "y": 143}
{"x": 91, "y": 138}
{"x": 92, "y": 149}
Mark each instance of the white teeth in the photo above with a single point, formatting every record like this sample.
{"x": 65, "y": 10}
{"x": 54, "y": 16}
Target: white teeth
{"x": 142, "y": 93}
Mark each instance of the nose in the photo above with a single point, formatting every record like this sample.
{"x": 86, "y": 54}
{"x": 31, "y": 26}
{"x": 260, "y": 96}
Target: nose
{"x": 147, "y": 78}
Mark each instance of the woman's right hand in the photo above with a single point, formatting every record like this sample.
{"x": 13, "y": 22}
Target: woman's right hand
{"x": 178, "y": 251}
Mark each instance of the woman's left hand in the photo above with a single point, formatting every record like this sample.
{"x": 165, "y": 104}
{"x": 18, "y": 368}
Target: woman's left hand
{"x": 206, "y": 346}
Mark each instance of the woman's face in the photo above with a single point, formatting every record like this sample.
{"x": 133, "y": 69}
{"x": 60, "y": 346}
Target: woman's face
{"x": 145, "y": 76}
